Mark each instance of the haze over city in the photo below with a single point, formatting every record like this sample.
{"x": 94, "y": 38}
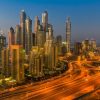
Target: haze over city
{"x": 84, "y": 15}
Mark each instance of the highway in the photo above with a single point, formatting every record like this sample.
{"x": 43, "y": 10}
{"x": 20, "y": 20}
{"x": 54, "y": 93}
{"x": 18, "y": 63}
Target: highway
{"x": 32, "y": 88}
{"x": 62, "y": 88}
{"x": 65, "y": 90}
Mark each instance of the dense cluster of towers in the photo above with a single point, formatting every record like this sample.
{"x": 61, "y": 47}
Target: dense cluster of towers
{"x": 39, "y": 50}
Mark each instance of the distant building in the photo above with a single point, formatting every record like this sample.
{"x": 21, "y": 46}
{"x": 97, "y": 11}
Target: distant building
{"x": 78, "y": 48}
{"x": 59, "y": 39}
{"x": 51, "y": 53}
{"x": 36, "y": 24}
{"x": 22, "y": 25}
{"x": 28, "y": 37}
{"x": 45, "y": 20}
{"x": 40, "y": 38}
{"x": 18, "y": 34}
{"x": 64, "y": 48}
{"x": 17, "y": 56}
{"x": 49, "y": 33}
{"x": 86, "y": 45}
{"x": 11, "y": 37}
{"x": 68, "y": 35}
{"x": 93, "y": 44}
{"x": 59, "y": 44}
{"x": 36, "y": 61}
{"x": 6, "y": 68}
{"x": 2, "y": 45}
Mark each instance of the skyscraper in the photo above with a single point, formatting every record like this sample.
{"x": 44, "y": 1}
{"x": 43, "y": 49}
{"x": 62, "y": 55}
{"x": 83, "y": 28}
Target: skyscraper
{"x": 59, "y": 44}
{"x": 2, "y": 45}
{"x": 22, "y": 24}
{"x": 59, "y": 39}
{"x": 36, "y": 24}
{"x": 2, "y": 41}
{"x": 36, "y": 61}
{"x": 11, "y": 37}
{"x": 17, "y": 56}
{"x": 33, "y": 38}
{"x": 17, "y": 34}
{"x": 40, "y": 38}
{"x": 68, "y": 34}
{"x": 93, "y": 44}
{"x": 28, "y": 37}
{"x": 51, "y": 52}
{"x": 51, "y": 55}
{"x": 6, "y": 68}
{"x": 78, "y": 48}
{"x": 86, "y": 45}
{"x": 49, "y": 33}
{"x": 45, "y": 20}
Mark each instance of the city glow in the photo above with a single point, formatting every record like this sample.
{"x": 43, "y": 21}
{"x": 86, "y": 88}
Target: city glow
{"x": 35, "y": 64}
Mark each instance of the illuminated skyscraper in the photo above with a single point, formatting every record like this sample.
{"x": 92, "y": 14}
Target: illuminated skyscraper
{"x": 2, "y": 41}
{"x": 11, "y": 37}
{"x": 59, "y": 44}
{"x": 93, "y": 44}
{"x": 17, "y": 56}
{"x": 51, "y": 52}
{"x": 40, "y": 38}
{"x": 64, "y": 48}
{"x": 89, "y": 45}
{"x": 36, "y": 24}
{"x": 36, "y": 61}
{"x": 86, "y": 45}
{"x": 18, "y": 34}
{"x": 45, "y": 20}
{"x": 49, "y": 33}
{"x": 22, "y": 24}
{"x": 2, "y": 45}
{"x": 6, "y": 68}
{"x": 28, "y": 37}
{"x": 68, "y": 34}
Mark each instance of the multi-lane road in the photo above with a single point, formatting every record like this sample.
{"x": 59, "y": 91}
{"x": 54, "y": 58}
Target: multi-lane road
{"x": 66, "y": 91}
{"x": 65, "y": 87}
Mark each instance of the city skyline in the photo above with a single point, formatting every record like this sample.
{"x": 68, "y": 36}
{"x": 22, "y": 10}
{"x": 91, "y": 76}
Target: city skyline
{"x": 84, "y": 19}
{"x": 49, "y": 49}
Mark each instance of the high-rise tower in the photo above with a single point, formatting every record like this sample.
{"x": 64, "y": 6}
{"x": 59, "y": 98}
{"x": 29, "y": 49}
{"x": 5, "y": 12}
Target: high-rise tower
{"x": 28, "y": 38}
{"x": 22, "y": 24}
{"x": 36, "y": 61}
{"x": 36, "y": 23}
{"x": 50, "y": 50}
{"x": 2, "y": 44}
{"x": 6, "y": 68}
{"x": 68, "y": 34}
{"x": 11, "y": 37}
{"x": 17, "y": 54}
{"x": 45, "y": 20}
{"x": 18, "y": 34}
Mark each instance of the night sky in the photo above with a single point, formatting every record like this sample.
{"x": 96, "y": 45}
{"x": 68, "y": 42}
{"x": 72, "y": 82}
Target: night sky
{"x": 85, "y": 15}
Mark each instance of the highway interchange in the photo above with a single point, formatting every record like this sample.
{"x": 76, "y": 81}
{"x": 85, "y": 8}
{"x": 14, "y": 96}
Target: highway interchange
{"x": 67, "y": 86}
